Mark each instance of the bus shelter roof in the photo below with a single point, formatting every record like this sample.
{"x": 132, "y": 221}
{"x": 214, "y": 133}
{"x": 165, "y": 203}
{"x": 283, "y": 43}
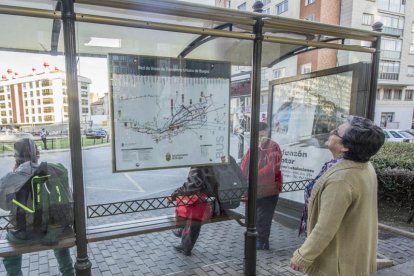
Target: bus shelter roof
{"x": 165, "y": 28}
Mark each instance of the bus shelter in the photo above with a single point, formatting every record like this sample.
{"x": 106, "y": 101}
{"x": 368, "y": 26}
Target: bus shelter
{"x": 187, "y": 86}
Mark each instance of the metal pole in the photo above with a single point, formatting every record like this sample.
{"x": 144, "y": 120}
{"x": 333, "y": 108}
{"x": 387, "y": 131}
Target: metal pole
{"x": 251, "y": 233}
{"x": 82, "y": 265}
{"x": 374, "y": 72}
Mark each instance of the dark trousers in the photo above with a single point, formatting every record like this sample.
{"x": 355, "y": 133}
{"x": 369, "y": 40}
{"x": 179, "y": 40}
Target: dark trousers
{"x": 265, "y": 208}
{"x": 44, "y": 143}
{"x": 189, "y": 234}
{"x": 13, "y": 264}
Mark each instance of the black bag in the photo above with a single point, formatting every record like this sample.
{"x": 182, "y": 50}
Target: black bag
{"x": 231, "y": 184}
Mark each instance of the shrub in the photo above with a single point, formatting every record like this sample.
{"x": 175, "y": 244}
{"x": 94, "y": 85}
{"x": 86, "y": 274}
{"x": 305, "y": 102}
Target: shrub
{"x": 394, "y": 164}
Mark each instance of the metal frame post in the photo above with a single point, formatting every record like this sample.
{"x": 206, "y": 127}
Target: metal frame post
{"x": 82, "y": 265}
{"x": 251, "y": 233}
{"x": 374, "y": 72}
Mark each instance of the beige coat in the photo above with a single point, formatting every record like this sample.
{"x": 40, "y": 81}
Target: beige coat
{"x": 342, "y": 223}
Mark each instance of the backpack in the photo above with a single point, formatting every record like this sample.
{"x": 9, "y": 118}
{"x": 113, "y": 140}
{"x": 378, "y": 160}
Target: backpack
{"x": 45, "y": 199}
{"x": 231, "y": 184}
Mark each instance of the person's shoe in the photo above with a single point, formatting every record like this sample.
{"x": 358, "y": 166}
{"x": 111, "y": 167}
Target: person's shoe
{"x": 177, "y": 232}
{"x": 181, "y": 249}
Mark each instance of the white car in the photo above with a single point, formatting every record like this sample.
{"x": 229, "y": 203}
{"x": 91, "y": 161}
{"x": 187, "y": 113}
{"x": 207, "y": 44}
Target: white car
{"x": 398, "y": 135}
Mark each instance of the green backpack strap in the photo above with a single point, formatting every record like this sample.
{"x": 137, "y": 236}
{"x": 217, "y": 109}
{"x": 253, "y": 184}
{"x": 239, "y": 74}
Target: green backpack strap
{"x": 36, "y": 185}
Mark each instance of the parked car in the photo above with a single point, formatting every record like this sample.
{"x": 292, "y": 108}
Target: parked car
{"x": 398, "y": 135}
{"x": 96, "y": 133}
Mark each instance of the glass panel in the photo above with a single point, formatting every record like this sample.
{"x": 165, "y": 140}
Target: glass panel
{"x": 33, "y": 144}
{"x": 315, "y": 96}
{"x": 169, "y": 114}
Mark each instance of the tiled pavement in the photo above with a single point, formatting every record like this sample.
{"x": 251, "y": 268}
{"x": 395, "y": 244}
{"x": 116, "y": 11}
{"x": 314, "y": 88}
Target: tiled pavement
{"x": 219, "y": 251}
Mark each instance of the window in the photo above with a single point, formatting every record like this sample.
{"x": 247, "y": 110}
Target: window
{"x": 306, "y": 68}
{"x": 389, "y": 70}
{"x": 392, "y": 5}
{"x": 411, "y": 52}
{"x": 282, "y": 7}
{"x": 387, "y": 94}
{"x": 308, "y": 2}
{"x": 391, "y": 21}
{"x": 310, "y": 18}
{"x": 278, "y": 73}
{"x": 85, "y": 110}
{"x": 242, "y": 7}
{"x": 386, "y": 117}
{"x": 367, "y": 19}
{"x": 266, "y": 11}
{"x": 84, "y": 102}
{"x": 412, "y": 27}
{"x": 397, "y": 94}
{"x": 410, "y": 71}
{"x": 265, "y": 2}
{"x": 48, "y": 109}
{"x": 378, "y": 94}
{"x": 409, "y": 95}
{"x": 391, "y": 48}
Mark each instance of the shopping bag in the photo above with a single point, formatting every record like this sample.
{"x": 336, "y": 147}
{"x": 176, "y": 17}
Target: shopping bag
{"x": 193, "y": 207}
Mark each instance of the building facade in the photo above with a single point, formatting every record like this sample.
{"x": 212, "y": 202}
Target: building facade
{"x": 395, "y": 95}
{"x": 39, "y": 99}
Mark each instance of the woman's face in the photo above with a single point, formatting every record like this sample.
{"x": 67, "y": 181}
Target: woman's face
{"x": 334, "y": 142}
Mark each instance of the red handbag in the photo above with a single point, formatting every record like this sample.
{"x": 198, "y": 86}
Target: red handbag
{"x": 193, "y": 207}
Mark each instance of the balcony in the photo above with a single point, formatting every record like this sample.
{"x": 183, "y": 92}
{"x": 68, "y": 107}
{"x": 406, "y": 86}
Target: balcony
{"x": 388, "y": 76}
{"x": 390, "y": 54}
{"x": 392, "y": 31}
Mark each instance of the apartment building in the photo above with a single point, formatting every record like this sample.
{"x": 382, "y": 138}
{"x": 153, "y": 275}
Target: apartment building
{"x": 395, "y": 99}
{"x": 38, "y": 98}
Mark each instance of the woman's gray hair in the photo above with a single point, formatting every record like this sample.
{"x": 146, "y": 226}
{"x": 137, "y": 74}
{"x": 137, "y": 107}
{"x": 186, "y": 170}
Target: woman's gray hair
{"x": 362, "y": 138}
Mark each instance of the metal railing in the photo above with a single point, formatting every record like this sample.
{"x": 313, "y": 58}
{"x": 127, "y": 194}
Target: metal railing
{"x": 392, "y": 31}
{"x": 388, "y": 76}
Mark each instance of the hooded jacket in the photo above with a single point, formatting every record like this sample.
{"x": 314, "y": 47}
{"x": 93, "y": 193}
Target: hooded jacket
{"x": 13, "y": 182}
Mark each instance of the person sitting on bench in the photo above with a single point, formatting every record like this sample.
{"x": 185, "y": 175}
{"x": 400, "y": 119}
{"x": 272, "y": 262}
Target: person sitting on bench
{"x": 14, "y": 186}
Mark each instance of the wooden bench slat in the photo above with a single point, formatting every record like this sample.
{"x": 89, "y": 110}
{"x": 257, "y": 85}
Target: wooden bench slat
{"x": 114, "y": 230}
{"x": 10, "y": 249}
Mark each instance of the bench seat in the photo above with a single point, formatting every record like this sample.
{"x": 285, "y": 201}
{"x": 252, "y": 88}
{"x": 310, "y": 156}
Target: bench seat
{"x": 114, "y": 231}
{"x": 11, "y": 249}
{"x": 145, "y": 226}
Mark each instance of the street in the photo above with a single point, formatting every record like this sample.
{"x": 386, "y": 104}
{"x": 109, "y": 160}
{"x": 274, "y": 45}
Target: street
{"x": 103, "y": 186}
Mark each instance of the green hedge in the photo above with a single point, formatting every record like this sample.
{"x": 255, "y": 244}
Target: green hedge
{"x": 394, "y": 164}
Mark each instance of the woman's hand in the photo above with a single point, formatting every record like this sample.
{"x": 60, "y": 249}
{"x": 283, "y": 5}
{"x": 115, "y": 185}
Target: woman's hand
{"x": 295, "y": 266}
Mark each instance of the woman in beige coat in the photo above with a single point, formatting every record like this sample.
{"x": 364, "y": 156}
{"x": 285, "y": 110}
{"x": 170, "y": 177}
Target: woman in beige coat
{"x": 340, "y": 213}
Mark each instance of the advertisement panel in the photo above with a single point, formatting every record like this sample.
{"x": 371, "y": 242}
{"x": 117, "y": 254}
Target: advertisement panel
{"x": 168, "y": 112}
{"x": 304, "y": 110}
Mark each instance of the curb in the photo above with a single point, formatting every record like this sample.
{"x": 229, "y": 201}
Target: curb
{"x": 397, "y": 231}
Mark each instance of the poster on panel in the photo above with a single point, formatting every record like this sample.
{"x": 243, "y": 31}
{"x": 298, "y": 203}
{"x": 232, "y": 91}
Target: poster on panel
{"x": 168, "y": 112}
{"x": 304, "y": 110}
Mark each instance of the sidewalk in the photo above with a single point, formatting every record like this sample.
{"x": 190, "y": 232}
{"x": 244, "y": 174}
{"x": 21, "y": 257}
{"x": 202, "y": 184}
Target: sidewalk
{"x": 219, "y": 251}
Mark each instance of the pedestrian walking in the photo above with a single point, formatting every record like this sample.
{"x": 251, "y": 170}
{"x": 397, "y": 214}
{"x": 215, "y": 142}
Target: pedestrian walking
{"x": 193, "y": 193}
{"x": 269, "y": 184}
{"x": 43, "y": 135}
